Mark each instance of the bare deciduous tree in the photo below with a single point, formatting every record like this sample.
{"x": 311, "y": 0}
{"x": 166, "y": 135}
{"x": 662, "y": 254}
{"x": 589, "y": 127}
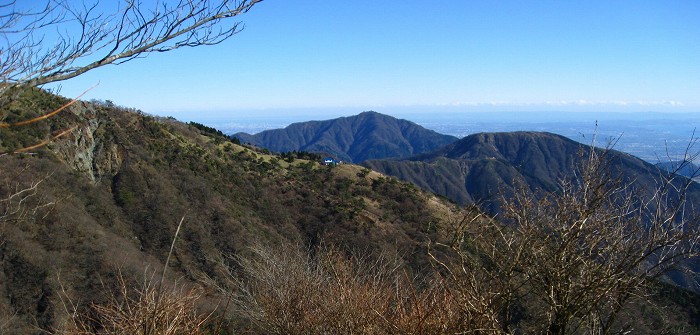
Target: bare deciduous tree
{"x": 574, "y": 258}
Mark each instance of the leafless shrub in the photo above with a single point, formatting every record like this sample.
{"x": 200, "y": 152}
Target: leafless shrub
{"x": 573, "y": 258}
{"x": 146, "y": 310}
{"x": 286, "y": 290}
{"x": 151, "y": 309}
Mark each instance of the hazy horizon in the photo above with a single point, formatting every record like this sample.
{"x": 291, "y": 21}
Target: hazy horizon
{"x": 651, "y": 136}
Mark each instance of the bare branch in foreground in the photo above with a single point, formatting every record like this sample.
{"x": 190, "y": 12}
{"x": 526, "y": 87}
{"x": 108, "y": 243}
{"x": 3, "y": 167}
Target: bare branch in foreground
{"x": 86, "y": 37}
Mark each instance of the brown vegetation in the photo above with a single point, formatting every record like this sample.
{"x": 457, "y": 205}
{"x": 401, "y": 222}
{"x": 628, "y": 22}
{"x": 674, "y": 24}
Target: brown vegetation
{"x": 123, "y": 180}
{"x": 333, "y": 225}
{"x": 288, "y": 290}
{"x": 146, "y": 310}
{"x": 570, "y": 261}
{"x": 580, "y": 258}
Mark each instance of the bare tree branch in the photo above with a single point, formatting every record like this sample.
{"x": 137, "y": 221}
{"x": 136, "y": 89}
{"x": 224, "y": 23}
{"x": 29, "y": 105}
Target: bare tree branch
{"x": 88, "y": 39}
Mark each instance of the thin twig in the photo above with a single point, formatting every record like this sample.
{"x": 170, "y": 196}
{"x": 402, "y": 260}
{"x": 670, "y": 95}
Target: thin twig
{"x": 172, "y": 247}
{"x": 46, "y": 116}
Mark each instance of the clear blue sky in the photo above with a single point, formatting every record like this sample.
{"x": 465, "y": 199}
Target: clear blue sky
{"x": 369, "y": 54}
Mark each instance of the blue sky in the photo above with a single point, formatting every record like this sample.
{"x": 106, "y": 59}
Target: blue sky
{"x": 304, "y": 56}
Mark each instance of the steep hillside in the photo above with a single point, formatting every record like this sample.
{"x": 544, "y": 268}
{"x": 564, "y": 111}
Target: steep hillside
{"x": 488, "y": 168}
{"x": 369, "y": 135}
{"x": 109, "y": 196}
{"x": 103, "y": 203}
{"x": 480, "y": 168}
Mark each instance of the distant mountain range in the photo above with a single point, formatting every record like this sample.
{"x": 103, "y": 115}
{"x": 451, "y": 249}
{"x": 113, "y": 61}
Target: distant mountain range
{"x": 110, "y": 195}
{"x": 369, "y": 135}
{"x": 481, "y": 168}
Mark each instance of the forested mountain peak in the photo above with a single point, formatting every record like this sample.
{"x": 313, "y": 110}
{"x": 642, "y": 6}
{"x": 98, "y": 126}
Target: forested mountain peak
{"x": 481, "y": 168}
{"x": 368, "y": 135}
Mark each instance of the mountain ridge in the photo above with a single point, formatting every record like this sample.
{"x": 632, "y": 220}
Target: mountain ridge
{"x": 481, "y": 167}
{"x": 111, "y": 193}
{"x": 122, "y": 180}
{"x": 355, "y": 138}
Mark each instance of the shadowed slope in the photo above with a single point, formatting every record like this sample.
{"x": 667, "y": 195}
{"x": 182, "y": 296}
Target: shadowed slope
{"x": 482, "y": 167}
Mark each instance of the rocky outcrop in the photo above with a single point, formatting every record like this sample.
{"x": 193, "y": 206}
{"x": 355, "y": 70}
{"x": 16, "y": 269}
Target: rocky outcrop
{"x": 90, "y": 148}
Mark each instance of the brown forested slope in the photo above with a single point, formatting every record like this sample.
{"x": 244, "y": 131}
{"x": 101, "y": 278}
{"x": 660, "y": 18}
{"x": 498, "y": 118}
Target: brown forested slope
{"x": 113, "y": 191}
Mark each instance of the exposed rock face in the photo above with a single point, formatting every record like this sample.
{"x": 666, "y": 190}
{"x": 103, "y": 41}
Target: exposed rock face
{"x": 90, "y": 148}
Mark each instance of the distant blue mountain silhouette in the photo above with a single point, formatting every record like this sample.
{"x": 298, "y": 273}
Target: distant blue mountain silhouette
{"x": 368, "y": 135}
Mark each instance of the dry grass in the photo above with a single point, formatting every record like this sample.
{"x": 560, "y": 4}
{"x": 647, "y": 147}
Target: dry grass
{"x": 147, "y": 310}
{"x": 288, "y": 290}
{"x": 151, "y": 309}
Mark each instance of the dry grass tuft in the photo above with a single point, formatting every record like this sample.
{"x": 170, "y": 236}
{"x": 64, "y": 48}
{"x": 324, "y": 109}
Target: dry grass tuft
{"x": 148, "y": 310}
